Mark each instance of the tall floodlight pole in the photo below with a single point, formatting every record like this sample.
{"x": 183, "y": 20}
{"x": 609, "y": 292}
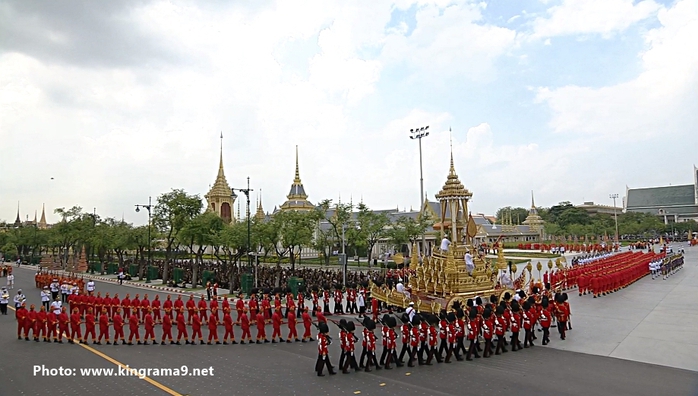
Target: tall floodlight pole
{"x": 138, "y": 209}
{"x": 418, "y": 134}
{"x": 615, "y": 214}
{"x": 247, "y": 191}
{"x": 344, "y": 258}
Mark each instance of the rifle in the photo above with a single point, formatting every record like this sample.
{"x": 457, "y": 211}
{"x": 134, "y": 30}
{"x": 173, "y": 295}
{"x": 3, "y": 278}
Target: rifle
{"x": 329, "y": 339}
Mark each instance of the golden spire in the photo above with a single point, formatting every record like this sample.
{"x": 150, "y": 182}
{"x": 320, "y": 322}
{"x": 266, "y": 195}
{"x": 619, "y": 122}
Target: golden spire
{"x": 533, "y": 202}
{"x": 220, "y": 163}
{"x": 18, "y": 221}
{"x": 297, "y": 199}
{"x": 260, "y": 212}
{"x": 453, "y": 187}
{"x": 297, "y": 179}
{"x": 42, "y": 222}
{"x": 35, "y": 217}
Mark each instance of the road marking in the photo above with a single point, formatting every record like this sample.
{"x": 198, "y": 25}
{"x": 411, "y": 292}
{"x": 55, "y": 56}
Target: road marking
{"x": 118, "y": 363}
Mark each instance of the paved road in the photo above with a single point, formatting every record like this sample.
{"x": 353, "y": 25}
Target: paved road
{"x": 279, "y": 369}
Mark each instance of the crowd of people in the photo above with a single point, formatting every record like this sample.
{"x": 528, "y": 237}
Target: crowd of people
{"x": 486, "y": 328}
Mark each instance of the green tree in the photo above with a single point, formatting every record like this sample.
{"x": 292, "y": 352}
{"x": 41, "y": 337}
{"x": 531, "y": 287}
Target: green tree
{"x": 407, "y": 230}
{"x": 172, "y": 213}
{"x": 373, "y": 226}
{"x": 296, "y": 231}
{"x": 197, "y": 235}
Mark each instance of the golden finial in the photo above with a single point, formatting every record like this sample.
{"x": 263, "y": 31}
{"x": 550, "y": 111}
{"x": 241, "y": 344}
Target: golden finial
{"x": 297, "y": 179}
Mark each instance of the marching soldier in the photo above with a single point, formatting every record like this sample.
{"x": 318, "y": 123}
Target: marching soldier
{"x": 369, "y": 326}
{"x": 149, "y": 327}
{"x": 245, "y": 326}
{"x": 323, "y": 358}
{"x": 118, "y": 324}
{"x": 63, "y": 324}
{"x": 276, "y": 325}
{"x": 103, "y": 327}
{"x": 166, "y": 328}
{"x": 228, "y": 325}
{"x": 75, "y": 332}
{"x": 414, "y": 342}
{"x": 307, "y": 322}
{"x": 292, "y": 332}
{"x": 196, "y": 328}
{"x": 191, "y": 308}
{"x": 350, "y": 339}
{"x": 405, "y": 337}
{"x": 213, "y": 326}
{"x": 181, "y": 327}
{"x": 133, "y": 327}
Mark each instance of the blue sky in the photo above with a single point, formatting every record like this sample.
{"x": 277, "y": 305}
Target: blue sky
{"x": 574, "y": 99}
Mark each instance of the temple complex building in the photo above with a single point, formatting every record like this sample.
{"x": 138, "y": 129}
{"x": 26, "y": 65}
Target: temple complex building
{"x": 220, "y": 199}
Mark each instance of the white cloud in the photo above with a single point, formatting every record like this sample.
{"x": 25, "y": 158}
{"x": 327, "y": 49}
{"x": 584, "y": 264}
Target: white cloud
{"x": 663, "y": 98}
{"x": 603, "y": 17}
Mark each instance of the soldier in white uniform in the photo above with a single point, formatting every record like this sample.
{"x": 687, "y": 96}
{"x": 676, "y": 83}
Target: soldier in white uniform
{"x": 65, "y": 291}
{"x": 19, "y": 299}
{"x": 54, "y": 287}
{"x": 46, "y": 298}
{"x": 4, "y": 300}
{"x": 56, "y": 306}
{"x": 90, "y": 287}
{"x": 10, "y": 281}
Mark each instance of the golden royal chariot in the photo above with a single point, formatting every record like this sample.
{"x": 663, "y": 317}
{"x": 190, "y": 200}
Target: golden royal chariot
{"x": 442, "y": 279}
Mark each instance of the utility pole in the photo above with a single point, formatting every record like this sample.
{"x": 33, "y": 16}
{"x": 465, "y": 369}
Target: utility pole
{"x": 615, "y": 214}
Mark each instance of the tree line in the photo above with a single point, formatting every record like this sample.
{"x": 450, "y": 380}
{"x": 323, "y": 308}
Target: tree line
{"x": 180, "y": 223}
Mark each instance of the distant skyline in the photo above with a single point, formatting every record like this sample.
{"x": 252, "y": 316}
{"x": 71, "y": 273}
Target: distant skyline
{"x": 105, "y": 104}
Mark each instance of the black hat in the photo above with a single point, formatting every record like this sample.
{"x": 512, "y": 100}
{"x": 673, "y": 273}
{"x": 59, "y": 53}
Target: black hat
{"x": 322, "y": 326}
{"x": 365, "y": 284}
{"x": 478, "y": 300}
{"x": 288, "y": 290}
{"x": 487, "y": 313}
{"x": 390, "y": 321}
{"x": 456, "y": 305}
{"x": 564, "y": 297}
{"x": 515, "y": 306}
{"x": 442, "y": 315}
{"x": 404, "y": 318}
{"x": 343, "y": 324}
{"x": 385, "y": 318}
{"x": 460, "y": 313}
{"x": 315, "y": 288}
{"x": 526, "y": 306}
{"x": 254, "y": 290}
{"x": 493, "y": 299}
{"x": 377, "y": 282}
{"x": 507, "y": 296}
{"x": 451, "y": 317}
{"x": 326, "y": 286}
{"x": 531, "y": 300}
{"x": 350, "y": 326}
{"x": 415, "y": 320}
{"x": 500, "y": 310}
{"x": 547, "y": 286}
{"x": 277, "y": 290}
{"x": 503, "y": 304}
{"x": 473, "y": 313}
{"x": 301, "y": 288}
{"x": 559, "y": 298}
{"x": 266, "y": 290}
{"x": 536, "y": 290}
{"x": 522, "y": 294}
{"x": 469, "y": 303}
{"x": 544, "y": 303}
{"x": 369, "y": 323}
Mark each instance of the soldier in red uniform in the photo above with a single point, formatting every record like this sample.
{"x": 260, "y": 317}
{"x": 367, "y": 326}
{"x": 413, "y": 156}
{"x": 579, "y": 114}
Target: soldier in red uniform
{"x": 276, "y": 325}
{"x": 472, "y": 334}
{"x": 63, "y": 324}
{"x": 316, "y": 299}
{"x": 167, "y": 306}
{"x": 113, "y": 305}
{"x": 515, "y": 326}
{"x": 261, "y": 331}
{"x": 351, "y": 300}
{"x": 443, "y": 335}
{"x": 405, "y": 337}
{"x": 225, "y": 306}
{"x": 499, "y": 330}
{"x": 181, "y": 327}
{"x": 292, "y": 332}
{"x": 528, "y": 320}
{"x": 545, "y": 320}
{"x": 21, "y": 316}
{"x": 149, "y": 327}
{"x": 253, "y": 306}
{"x": 385, "y": 331}
{"x": 136, "y": 307}
{"x": 228, "y": 324}
{"x": 432, "y": 339}
{"x": 414, "y": 341}
{"x": 166, "y": 329}
{"x": 349, "y": 345}
{"x": 41, "y": 319}
{"x": 118, "y": 324}
{"x": 562, "y": 316}
{"x": 369, "y": 327}
{"x": 245, "y": 326}
{"x": 342, "y": 341}
{"x": 191, "y": 308}
{"x": 202, "y": 308}
{"x": 239, "y": 307}
{"x": 90, "y": 327}
{"x": 338, "y": 297}
{"x": 213, "y": 325}
{"x": 133, "y": 326}
{"x": 323, "y": 358}
{"x": 266, "y": 306}
{"x": 103, "y": 327}
{"x": 307, "y": 322}
{"x": 487, "y": 330}
{"x": 75, "y": 331}
{"x": 196, "y": 328}
{"x": 155, "y": 305}
{"x": 30, "y": 323}
{"x": 301, "y": 301}
{"x": 126, "y": 306}
{"x": 177, "y": 307}
{"x": 326, "y": 300}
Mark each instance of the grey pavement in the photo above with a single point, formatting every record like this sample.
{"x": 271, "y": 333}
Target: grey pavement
{"x": 281, "y": 369}
{"x": 651, "y": 321}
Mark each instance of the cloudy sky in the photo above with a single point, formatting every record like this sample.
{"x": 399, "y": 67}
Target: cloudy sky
{"x": 117, "y": 101}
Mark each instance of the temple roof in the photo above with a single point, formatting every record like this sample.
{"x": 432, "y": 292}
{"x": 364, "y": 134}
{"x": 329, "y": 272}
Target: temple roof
{"x": 220, "y": 188}
{"x": 453, "y": 188}
{"x": 297, "y": 199}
